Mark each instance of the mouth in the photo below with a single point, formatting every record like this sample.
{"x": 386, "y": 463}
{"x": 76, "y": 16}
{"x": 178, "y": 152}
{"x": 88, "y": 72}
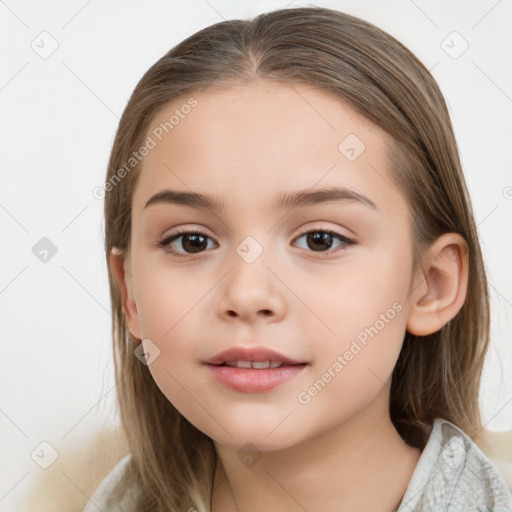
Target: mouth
{"x": 255, "y": 376}
{"x": 257, "y": 365}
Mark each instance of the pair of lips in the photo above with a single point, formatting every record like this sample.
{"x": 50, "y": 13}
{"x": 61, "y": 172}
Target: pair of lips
{"x": 252, "y": 355}
{"x": 254, "y": 364}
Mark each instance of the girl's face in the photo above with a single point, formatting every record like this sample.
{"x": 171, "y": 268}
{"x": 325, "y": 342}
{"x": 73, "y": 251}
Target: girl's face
{"x": 255, "y": 278}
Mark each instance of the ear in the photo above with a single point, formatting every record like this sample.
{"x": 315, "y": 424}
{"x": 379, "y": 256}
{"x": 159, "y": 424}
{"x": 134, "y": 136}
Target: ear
{"x": 120, "y": 265}
{"x": 439, "y": 291}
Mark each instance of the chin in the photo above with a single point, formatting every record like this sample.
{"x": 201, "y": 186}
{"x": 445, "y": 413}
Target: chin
{"x": 257, "y": 440}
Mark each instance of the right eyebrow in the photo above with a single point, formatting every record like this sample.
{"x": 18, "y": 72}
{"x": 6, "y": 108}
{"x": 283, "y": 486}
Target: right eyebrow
{"x": 191, "y": 199}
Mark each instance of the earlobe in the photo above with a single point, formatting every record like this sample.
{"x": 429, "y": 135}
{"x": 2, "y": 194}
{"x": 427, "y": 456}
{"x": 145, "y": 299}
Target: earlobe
{"x": 440, "y": 292}
{"x": 118, "y": 265}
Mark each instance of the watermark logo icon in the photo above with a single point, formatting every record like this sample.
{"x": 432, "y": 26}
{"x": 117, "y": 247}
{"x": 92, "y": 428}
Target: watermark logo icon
{"x": 44, "y": 455}
{"x": 249, "y": 249}
{"x": 351, "y": 147}
{"x": 454, "y": 454}
{"x": 44, "y": 250}
{"x": 147, "y": 352}
{"x": 454, "y": 45}
{"x": 249, "y": 455}
{"x": 45, "y": 45}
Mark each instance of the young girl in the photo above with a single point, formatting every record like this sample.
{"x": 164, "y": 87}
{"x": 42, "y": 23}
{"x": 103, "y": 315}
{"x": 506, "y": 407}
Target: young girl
{"x": 301, "y": 310}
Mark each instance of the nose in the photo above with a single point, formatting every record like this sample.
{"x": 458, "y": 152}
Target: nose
{"x": 251, "y": 293}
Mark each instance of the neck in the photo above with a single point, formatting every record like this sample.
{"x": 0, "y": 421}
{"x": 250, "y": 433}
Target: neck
{"x": 360, "y": 464}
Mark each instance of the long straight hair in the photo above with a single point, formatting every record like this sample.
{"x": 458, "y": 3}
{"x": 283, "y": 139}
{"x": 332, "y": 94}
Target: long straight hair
{"x": 172, "y": 463}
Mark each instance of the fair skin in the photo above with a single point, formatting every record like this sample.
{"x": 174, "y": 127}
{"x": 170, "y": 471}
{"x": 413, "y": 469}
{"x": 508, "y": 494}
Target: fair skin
{"x": 247, "y": 144}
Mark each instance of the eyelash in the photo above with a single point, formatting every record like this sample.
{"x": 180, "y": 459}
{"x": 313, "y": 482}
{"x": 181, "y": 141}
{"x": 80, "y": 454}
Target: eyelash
{"x": 163, "y": 243}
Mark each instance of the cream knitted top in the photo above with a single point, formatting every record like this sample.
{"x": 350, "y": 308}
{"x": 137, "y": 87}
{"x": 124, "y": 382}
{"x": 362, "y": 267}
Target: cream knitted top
{"x": 452, "y": 475}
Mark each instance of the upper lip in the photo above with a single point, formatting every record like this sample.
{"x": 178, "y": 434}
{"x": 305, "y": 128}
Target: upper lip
{"x": 250, "y": 354}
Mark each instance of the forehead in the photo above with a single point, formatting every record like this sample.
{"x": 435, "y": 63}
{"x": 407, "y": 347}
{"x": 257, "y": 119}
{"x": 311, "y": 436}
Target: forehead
{"x": 259, "y": 138}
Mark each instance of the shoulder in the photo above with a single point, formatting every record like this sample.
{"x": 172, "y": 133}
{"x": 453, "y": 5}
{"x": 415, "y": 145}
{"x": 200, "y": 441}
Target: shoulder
{"x": 100, "y": 498}
{"x": 453, "y": 474}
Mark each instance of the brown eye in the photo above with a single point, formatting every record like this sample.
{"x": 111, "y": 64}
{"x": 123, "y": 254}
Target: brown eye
{"x": 319, "y": 240}
{"x": 193, "y": 242}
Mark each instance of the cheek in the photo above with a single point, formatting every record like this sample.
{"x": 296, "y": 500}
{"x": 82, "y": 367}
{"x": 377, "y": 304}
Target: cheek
{"x": 170, "y": 306}
{"x": 167, "y": 302}
{"x": 365, "y": 311}
{"x": 369, "y": 285}
{"x": 355, "y": 364}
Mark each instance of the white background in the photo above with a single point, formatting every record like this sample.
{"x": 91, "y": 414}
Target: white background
{"x": 57, "y": 123}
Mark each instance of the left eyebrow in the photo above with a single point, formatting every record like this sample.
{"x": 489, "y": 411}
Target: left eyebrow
{"x": 291, "y": 199}
{"x": 299, "y": 198}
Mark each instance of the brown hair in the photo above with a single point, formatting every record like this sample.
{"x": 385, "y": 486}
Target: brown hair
{"x": 435, "y": 376}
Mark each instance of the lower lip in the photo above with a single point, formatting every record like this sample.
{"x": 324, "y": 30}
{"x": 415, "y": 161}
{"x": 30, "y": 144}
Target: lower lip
{"x": 255, "y": 381}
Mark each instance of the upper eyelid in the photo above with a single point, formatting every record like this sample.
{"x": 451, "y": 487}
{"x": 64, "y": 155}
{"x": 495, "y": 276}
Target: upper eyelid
{"x": 185, "y": 231}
